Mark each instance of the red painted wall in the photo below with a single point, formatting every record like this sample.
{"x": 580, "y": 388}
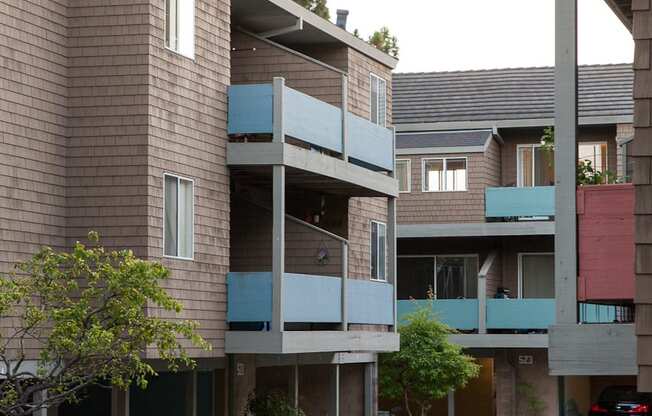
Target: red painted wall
{"x": 605, "y": 217}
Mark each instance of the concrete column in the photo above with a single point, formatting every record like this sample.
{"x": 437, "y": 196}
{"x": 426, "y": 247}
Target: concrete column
{"x": 566, "y": 160}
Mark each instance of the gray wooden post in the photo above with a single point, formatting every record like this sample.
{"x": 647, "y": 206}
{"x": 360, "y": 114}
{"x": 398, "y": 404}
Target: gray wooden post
{"x": 119, "y": 402}
{"x": 345, "y": 276}
{"x": 335, "y": 391}
{"x": 370, "y": 389}
{"x": 482, "y": 304}
{"x": 391, "y": 250}
{"x": 451, "y": 402}
{"x": 278, "y": 231}
{"x": 345, "y": 112}
{"x": 278, "y": 247}
{"x": 294, "y": 386}
{"x": 278, "y": 87}
{"x": 565, "y": 160}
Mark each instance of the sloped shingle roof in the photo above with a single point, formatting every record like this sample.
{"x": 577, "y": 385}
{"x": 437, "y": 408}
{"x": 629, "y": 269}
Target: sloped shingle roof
{"x": 443, "y": 139}
{"x": 507, "y": 94}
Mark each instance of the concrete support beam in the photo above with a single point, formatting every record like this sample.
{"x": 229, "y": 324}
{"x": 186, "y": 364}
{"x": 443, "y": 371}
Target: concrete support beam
{"x": 566, "y": 160}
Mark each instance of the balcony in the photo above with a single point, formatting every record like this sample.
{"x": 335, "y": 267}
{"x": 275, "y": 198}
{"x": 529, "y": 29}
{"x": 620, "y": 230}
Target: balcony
{"x": 520, "y": 202}
{"x": 310, "y": 299}
{"x": 275, "y": 124}
{"x": 313, "y": 305}
{"x": 499, "y": 315}
{"x": 605, "y": 220}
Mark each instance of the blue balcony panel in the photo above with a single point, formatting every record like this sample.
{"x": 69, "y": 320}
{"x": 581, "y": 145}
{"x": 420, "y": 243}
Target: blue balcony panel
{"x": 251, "y": 109}
{"x": 537, "y": 201}
{"x": 370, "y": 302}
{"x": 520, "y": 313}
{"x": 308, "y": 298}
{"x": 460, "y": 314}
{"x": 369, "y": 142}
{"x": 312, "y": 120}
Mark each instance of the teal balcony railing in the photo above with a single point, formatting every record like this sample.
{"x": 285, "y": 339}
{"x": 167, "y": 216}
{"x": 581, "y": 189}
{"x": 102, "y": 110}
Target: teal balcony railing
{"x": 312, "y": 121}
{"x": 536, "y": 201}
{"x": 308, "y": 299}
{"x": 501, "y": 314}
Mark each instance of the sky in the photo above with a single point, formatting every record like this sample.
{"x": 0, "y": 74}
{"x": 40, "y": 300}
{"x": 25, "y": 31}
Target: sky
{"x": 438, "y": 35}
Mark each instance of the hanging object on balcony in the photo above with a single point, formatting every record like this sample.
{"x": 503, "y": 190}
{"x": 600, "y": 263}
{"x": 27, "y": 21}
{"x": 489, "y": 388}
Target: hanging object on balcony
{"x": 323, "y": 257}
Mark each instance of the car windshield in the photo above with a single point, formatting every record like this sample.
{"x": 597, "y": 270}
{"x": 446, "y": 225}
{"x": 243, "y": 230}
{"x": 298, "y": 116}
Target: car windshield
{"x": 623, "y": 394}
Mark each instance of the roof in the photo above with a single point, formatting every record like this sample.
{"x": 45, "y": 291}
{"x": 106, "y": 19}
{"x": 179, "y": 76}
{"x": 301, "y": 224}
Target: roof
{"x": 488, "y": 97}
{"x": 623, "y": 10}
{"x": 476, "y": 139}
{"x": 259, "y": 16}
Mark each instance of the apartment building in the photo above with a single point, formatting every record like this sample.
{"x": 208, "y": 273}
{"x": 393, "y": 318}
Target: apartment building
{"x": 245, "y": 145}
{"x": 477, "y": 228}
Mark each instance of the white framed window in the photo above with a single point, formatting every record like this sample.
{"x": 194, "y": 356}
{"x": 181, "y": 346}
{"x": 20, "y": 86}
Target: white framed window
{"x": 596, "y": 153}
{"x": 404, "y": 175}
{"x": 536, "y": 275}
{"x": 378, "y": 251}
{"x": 178, "y": 217}
{"x": 444, "y": 174}
{"x": 180, "y": 26}
{"x": 378, "y": 97}
{"x": 535, "y": 166}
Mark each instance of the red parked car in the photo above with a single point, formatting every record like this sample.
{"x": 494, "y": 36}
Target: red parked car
{"x": 622, "y": 401}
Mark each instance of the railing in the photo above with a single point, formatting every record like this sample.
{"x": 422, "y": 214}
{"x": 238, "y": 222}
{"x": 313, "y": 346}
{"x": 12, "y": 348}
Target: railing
{"x": 308, "y": 299}
{"x": 510, "y": 202}
{"x": 305, "y": 118}
{"x": 501, "y": 314}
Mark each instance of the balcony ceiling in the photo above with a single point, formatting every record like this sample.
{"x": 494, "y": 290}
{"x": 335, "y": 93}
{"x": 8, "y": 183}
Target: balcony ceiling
{"x": 260, "y": 16}
{"x": 622, "y": 9}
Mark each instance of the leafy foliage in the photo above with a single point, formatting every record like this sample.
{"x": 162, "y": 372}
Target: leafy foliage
{"x": 534, "y": 405}
{"x": 272, "y": 404}
{"x": 318, "y": 7}
{"x": 382, "y": 39}
{"x": 586, "y": 173}
{"x": 427, "y": 365}
{"x": 84, "y": 313}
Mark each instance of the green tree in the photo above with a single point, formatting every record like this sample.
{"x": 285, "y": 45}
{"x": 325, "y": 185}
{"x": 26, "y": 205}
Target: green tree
{"x": 272, "y": 404}
{"x": 427, "y": 365}
{"x": 382, "y": 39}
{"x": 84, "y": 313}
{"x": 318, "y": 7}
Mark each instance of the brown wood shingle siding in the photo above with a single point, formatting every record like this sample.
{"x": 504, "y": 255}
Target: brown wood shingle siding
{"x": 642, "y": 152}
{"x": 187, "y": 136}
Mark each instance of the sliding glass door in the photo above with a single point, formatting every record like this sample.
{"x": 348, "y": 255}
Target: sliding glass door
{"x": 445, "y": 277}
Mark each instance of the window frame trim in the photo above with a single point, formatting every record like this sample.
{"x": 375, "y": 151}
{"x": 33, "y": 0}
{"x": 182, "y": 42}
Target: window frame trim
{"x": 378, "y": 77}
{"x": 176, "y": 51}
{"x": 180, "y": 178}
{"x": 520, "y": 256}
{"x": 445, "y": 169}
{"x": 371, "y": 247}
{"x": 606, "y": 147}
{"x": 409, "y": 175}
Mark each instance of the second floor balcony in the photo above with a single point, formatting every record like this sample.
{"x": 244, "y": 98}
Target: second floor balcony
{"x": 272, "y": 124}
{"x": 533, "y": 202}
